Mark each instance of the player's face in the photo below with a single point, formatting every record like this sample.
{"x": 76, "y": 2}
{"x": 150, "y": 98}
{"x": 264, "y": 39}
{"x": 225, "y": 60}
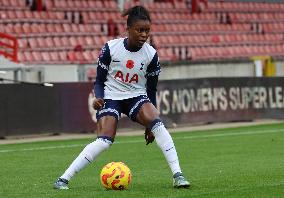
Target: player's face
{"x": 138, "y": 33}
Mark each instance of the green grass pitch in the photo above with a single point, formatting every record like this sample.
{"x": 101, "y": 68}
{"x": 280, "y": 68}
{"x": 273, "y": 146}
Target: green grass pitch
{"x": 231, "y": 162}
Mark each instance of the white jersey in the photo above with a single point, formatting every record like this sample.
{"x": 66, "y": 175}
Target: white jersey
{"x": 127, "y": 71}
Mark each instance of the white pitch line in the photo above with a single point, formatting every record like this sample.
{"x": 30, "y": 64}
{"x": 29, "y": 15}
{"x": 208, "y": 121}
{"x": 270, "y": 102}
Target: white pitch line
{"x": 233, "y": 134}
{"x": 141, "y": 141}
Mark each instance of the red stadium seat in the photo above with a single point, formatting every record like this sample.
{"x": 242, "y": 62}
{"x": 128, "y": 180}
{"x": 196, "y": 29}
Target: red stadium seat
{"x": 63, "y": 56}
{"x": 37, "y": 56}
{"x": 58, "y": 43}
{"x": 33, "y": 43}
{"x": 23, "y": 43}
{"x": 21, "y": 57}
{"x": 75, "y": 28}
{"x": 41, "y": 43}
{"x": 58, "y": 28}
{"x": 17, "y": 29}
{"x": 46, "y": 57}
{"x": 81, "y": 41}
{"x": 50, "y": 28}
{"x": 88, "y": 56}
{"x": 54, "y": 56}
{"x": 49, "y": 42}
{"x": 73, "y": 41}
{"x": 65, "y": 41}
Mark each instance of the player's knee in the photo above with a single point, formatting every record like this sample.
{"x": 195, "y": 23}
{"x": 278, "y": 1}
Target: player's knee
{"x": 105, "y": 142}
{"x": 160, "y": 132}
{"x": 155, "y": 124}
{"x": 108, "y": 141}
{"x": 101, "y": 144}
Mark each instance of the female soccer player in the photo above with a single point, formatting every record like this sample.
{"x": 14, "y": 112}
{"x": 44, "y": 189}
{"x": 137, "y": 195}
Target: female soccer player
{"x": 127, "y": 76}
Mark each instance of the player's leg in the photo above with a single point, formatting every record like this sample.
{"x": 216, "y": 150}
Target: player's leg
{"x": 106, "y": 130}
{"x": 149, "y": 117}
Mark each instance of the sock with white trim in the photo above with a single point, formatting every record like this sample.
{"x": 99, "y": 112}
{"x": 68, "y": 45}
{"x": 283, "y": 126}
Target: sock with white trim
{"x": 166, "y": 144}
{"x": 89, "y": 153}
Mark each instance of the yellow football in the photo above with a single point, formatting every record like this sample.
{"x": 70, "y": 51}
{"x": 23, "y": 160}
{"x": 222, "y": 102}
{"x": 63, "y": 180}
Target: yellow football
{"x": 115, "y": 176}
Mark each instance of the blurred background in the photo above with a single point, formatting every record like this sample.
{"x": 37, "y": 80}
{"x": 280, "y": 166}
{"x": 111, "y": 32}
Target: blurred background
{"x": 222, "y": 61}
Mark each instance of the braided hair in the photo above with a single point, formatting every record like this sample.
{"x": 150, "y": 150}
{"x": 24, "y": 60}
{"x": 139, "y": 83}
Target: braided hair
{"x": 136, "y": 13}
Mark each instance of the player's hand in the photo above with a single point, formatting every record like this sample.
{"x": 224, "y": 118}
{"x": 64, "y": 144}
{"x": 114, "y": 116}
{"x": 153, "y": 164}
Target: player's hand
{"x": 149, "y": 136}
{"x": 98, "y": 103}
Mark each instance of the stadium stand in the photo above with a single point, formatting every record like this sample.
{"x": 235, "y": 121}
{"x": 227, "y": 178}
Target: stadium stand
{"x": 73, "y": 31}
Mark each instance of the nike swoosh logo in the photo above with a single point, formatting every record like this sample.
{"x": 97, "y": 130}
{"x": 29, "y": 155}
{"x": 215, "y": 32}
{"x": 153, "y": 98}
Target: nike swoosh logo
{"x": 169, "y": 148}
{"x": 115, "y": 61}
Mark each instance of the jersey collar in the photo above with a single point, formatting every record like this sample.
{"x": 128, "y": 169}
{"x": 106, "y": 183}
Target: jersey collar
{"x": 127, "y": 48}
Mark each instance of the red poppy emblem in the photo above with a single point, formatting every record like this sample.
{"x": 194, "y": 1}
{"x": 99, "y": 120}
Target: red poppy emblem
{"x": 130, "y": 64}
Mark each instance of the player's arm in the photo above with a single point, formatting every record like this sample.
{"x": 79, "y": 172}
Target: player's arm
{"x": 153, "y": 71}
{"x": 152, "y": 75}
{"x": 102, "y": 71}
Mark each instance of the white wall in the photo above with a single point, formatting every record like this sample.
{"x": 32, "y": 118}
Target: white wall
{"x": 207, "y": 70}
{"x": 60, "y": 73}
{"x": 214, "y": 70}
{"x": 74, "y": 73}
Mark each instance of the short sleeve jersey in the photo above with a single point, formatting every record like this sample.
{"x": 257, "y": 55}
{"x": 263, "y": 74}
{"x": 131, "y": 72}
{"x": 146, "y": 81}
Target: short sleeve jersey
{"x": 127, "y": 71}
